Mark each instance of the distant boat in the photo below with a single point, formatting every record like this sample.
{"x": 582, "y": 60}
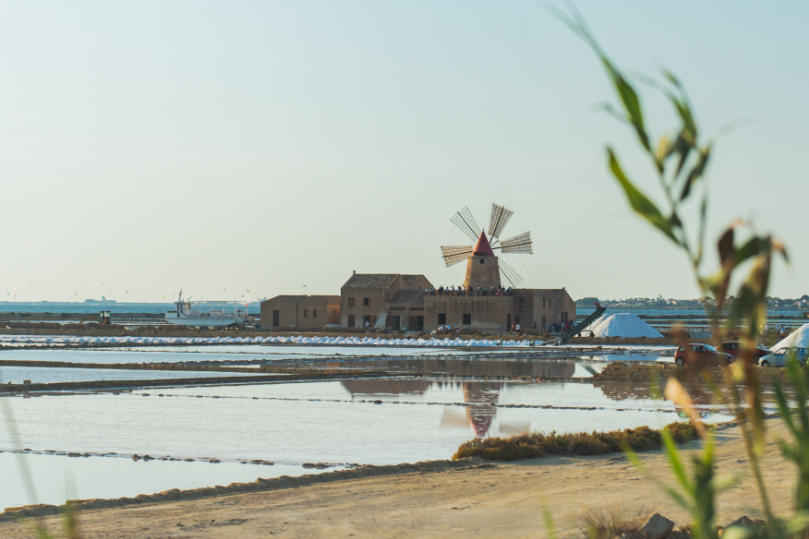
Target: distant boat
{"x": 208, "y": 313}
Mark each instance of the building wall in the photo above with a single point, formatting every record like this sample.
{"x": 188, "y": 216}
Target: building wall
{"x": 326, "y": 313}
{"x": 299, "y": 314}
{"x": 377, "y": 300}
{"x": 548, "y": 306}
{"x": 408, "y": 314}
{"x": 288, "y": 311}
{"x": 488, "y": 314}
{"x": 495, "y": 314}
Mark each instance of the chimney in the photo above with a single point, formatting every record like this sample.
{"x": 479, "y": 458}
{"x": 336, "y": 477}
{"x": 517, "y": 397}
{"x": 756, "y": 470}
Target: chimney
{"x": 355, "y": 272}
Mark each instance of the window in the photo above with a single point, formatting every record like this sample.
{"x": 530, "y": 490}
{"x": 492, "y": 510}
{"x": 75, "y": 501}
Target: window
{"x": 522, "y": 303}
{"x": 467, "y": 319}
{"x": 366, "y": 302}
{"x": 482, "y": 261}
{"x": 350, "y": 304}
{"x": 306, "y": 313}
{"x": 442, "y": 319}
{"x": 543, "y": 303}
{"x": 314, "y": 313}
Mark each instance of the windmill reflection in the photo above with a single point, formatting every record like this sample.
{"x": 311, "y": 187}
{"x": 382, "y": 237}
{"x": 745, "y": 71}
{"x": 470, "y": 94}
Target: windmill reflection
{"x": 481, "y": 396}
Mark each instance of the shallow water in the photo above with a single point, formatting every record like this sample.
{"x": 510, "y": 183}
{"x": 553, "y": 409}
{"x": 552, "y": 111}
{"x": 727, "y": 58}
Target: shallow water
{"x": 176, "y": 354}
{"x": 323, "y": 421}
{"x": 48, "y": 375}
{"x": 60, "y": 478}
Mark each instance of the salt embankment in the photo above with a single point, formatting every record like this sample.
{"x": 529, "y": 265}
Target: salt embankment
{"x": 623, "y": 325}
{"x": 333, "y": 341}
{"x": 798, "y": 338}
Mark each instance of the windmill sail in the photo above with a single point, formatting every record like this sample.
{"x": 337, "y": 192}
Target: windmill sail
{"x": 455, "y": 254}
{"x": 517, "y": 244}
{"x": 498, "y": 220}
{"x": 464, "y": 221}
{"x": 508, "y": 274}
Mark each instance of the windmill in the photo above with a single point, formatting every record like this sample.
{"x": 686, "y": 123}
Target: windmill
{"x": 478, "y": 273}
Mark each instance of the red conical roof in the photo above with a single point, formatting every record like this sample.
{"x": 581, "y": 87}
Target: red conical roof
{"x": 482, "y": 246}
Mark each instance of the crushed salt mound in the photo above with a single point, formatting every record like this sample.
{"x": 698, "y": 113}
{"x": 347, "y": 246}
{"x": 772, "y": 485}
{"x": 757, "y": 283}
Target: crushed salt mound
{"x": 624, "y": 325}
{"x": 799, "y": 338}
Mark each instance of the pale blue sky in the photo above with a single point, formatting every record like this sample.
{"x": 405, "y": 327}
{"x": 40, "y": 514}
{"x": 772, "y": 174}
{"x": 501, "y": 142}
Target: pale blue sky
{"x": 267, "y": 145}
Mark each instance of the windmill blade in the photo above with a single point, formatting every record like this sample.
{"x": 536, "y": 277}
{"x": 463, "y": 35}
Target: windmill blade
{"x": 464, "y": 220}
{"x": 508, "y": 274}
{"x": 454, "y": 254}
{"x": 498, "y": 220}
{"x": 520, "y": 243}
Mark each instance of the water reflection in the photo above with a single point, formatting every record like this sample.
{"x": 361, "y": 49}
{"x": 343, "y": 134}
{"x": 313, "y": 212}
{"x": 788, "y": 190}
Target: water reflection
{"x": 380, "y": 386}
{"x": 459, "y": 367}
{"x": 482, "y": 398}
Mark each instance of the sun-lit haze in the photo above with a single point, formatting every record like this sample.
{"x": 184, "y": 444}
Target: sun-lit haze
{"x": 221, "y": 147}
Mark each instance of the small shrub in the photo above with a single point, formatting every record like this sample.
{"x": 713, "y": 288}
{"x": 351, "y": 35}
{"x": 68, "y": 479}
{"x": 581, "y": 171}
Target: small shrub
{"x": 536, "y": 445}
{"x": 612, "y": 522}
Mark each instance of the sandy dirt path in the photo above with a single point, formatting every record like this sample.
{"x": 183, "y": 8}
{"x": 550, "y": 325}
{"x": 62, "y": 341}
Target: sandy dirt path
{"x": 503, "y": 501}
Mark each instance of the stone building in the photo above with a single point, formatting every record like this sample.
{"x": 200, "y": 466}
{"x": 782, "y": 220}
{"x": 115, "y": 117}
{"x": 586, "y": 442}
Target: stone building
{"x": 395, "y": 301}
{"x": 489, "y": 312}
{"x": 365, "y": 297}
{"x": 300, "y": 311}
{"x": 494, "y": 314}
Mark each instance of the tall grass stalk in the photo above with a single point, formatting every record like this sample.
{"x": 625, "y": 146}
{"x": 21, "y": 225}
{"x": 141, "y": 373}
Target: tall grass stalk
{"x": 679, "y": 163}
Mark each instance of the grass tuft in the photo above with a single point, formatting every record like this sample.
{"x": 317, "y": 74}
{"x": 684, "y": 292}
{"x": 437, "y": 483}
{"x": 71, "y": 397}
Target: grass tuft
{"x": 612, "y": 522}
{"x": 536, "y": 445}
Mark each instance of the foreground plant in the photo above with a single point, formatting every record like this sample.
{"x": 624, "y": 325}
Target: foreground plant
{"x": 679, "y": 163}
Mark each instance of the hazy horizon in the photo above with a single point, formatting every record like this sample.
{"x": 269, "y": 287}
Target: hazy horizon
{"x": 220, "y": 148}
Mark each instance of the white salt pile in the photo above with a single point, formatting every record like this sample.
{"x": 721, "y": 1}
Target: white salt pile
{"x": 624, "y": 325}
{"x": 799, "y": 338}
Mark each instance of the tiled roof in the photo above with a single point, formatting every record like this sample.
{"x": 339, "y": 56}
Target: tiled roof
{"x": 408, "y": 296}
{"x": 411, "y": 279}
{"x": 370, "y": 280}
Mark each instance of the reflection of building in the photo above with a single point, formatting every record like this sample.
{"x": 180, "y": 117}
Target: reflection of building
{"x": 481, "y": 396}
{"x": 478, "y": 367}
{"x": 385, "y": 386}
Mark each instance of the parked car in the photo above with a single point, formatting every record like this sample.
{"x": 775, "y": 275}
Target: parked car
{"x": 779, "y": 357}
{"x": 700, "y": 353}
{"x": 734, "y": 348}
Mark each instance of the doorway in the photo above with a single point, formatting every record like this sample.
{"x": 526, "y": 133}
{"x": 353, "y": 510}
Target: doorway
{"x": 416, "y": 323}
{"x": 508, "y": 322}
{"x": 276, "y": 319}
{"x": 351, "y": 323}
